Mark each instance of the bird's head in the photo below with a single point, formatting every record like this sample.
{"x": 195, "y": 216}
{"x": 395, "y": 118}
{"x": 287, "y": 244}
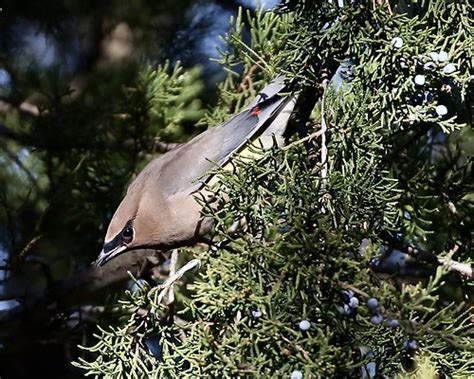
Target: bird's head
{"x": 133, "y": 226}
{"x": 120, "y": 243}
{"x": 158, "y": 211}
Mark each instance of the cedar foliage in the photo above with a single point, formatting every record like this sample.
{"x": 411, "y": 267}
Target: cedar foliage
{"x": 315, "y": 230}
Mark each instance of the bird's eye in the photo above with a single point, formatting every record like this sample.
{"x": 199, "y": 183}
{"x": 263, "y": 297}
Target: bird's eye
{"x": 127, "y": 233}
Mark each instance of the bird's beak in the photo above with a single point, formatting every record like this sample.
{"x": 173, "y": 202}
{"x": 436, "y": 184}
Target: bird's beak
{"x": 106, "y": 256}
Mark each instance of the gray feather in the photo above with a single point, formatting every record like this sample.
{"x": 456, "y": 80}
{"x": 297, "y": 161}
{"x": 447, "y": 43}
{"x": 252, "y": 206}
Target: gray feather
{"x": 180, "y": 168}
{"x": 271, "y": 89}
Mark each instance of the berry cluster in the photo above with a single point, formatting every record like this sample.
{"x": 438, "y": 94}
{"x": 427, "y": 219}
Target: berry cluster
{"x": 351, "y": 302}
{"x": 433, "y": 64}
{"x": 433, "y": 78}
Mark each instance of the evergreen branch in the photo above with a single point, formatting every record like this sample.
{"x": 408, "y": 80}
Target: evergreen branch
{"x": 263, "y": 305}
{"x": 257, "y": 60}
{"x": 465, "y": 269}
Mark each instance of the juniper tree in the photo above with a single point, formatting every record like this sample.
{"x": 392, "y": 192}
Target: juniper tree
{"x": 344, "y": 265}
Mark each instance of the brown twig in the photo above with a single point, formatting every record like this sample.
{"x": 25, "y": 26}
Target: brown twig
{"x": 376, "y": 3}
{"x": 24, "y": 252}
{"x": 247, "y": 80}
{"x": 302, "y": 140}
{"x": 353, "y": 289}
{"x": 443, "y": 193}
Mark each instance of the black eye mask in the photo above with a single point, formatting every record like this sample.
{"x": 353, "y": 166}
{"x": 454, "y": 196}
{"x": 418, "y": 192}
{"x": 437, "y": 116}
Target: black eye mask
{"x": 124, "y": 237}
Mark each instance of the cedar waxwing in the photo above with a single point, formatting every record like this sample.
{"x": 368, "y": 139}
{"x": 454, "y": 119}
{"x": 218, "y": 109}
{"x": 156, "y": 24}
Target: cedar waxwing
{"x": 159, "y": 210}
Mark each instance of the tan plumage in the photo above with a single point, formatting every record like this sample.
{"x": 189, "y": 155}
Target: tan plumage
{"x": 159, "y": 210}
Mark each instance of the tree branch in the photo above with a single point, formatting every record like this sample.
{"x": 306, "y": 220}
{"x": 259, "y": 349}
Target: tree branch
{"x": 78, "y": 288}
{"x": 24, "y": 107}
{"x": 465, "y": 269}
{"x": 303, "y": 140}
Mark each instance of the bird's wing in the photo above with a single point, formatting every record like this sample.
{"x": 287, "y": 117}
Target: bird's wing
{"x": 180, "y": 169}
{"x": 275, "y": 87}
{"x": 252, "y": 121}
{"x": 238, "y": 131}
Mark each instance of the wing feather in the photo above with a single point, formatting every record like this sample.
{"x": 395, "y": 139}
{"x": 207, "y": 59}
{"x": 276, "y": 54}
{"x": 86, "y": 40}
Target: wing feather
{"x": 179, "y": 169}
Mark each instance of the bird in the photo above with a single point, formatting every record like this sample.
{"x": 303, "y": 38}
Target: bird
{"x": 159, "y": 210}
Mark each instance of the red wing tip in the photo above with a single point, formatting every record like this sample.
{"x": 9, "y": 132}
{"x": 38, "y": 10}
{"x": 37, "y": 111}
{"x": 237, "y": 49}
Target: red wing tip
{"x": 256, "y": 111}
